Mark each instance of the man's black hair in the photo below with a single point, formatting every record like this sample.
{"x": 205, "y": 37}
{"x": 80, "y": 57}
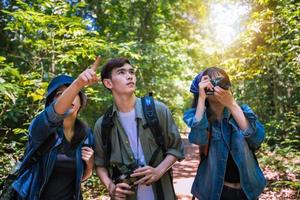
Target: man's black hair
{"x": 112, "y": 64}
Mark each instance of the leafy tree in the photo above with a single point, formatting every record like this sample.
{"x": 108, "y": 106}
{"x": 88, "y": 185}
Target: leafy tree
{"x": 265, "y": 65}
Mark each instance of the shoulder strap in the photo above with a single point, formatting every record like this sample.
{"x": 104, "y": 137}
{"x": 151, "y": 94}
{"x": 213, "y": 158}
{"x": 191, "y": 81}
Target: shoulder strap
{"x": 106, "y": 127}
{"x": 153, "y": 121}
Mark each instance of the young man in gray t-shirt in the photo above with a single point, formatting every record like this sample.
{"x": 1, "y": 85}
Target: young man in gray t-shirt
{"x": 131, "y": 142}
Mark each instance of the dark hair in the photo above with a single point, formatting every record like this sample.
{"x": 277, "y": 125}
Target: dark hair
{"x": 211, "y": 71}
{"x": 209, "y": 113}
{"x": 80, "y": 131}
{"x": 112, "y": 64}
{"x": 80, "y": 128}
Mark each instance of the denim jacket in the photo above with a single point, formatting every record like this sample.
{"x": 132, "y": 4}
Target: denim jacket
{"x": 210, "y": 176}
{"x": 31, "y": 183}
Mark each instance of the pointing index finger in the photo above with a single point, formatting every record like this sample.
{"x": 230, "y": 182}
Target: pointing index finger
{"x": 96, "y": 64}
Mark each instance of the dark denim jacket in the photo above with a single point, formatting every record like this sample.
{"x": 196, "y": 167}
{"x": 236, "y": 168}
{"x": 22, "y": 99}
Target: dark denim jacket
{"x": 32, "y": 182}
{"x": 209, "y": 180}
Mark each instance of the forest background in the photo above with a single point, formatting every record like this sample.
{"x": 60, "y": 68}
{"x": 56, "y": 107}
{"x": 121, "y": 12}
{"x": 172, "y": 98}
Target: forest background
{"x": 169, "y": 42}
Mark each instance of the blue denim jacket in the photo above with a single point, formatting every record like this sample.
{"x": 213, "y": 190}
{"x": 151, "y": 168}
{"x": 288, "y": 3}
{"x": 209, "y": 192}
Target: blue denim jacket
{"x": 32, "y": 182}
{"x": 208, "y": 183}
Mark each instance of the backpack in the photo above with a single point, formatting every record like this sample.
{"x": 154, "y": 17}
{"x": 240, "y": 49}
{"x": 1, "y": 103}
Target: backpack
{"x": 152, "y": 122}
{"x": 7, "y": 191}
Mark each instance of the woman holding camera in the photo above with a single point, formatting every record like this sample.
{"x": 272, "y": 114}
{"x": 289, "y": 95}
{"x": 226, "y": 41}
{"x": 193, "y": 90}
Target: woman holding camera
{"x": 227, "y": 135}
{"x": 64, "y": 143}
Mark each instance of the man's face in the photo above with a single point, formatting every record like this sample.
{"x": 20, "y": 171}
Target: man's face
{"x": 122, "y": 80}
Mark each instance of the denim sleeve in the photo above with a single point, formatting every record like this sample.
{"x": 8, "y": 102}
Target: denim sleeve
{"x": 255, "y": 133}
{"x": 44, "y": 125}
{"x": 198, "y": 134}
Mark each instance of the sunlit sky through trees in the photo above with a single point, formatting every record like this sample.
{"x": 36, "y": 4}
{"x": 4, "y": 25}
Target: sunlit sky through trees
{"x": 224, "y": 23}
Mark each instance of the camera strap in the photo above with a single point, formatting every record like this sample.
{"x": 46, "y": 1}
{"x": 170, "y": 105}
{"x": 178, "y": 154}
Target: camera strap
{"x": 137, "y": 143}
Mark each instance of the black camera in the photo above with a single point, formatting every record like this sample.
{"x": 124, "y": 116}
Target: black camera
{"x": 219, "y": 81}
{"x": 121, "y": 174}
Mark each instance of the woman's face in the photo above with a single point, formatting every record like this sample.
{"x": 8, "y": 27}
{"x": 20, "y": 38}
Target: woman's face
{"x": 75, "y": 106}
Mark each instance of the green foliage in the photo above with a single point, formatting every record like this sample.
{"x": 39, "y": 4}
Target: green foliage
{"x": 265, "y": 68}
{"x": 46, "y": 38}
{"x": 289, "y": 184}
{"x": 164, "y": 41}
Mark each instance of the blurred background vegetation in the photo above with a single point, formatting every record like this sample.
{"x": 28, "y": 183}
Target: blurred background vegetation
{"x": 169, "y": 41}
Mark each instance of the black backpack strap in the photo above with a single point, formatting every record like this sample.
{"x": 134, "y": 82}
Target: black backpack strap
{"x": 106, "y": 127}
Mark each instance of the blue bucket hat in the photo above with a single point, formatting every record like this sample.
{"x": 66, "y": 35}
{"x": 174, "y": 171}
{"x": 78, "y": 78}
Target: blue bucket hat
{"x": 56, "y": 83}
{"x": 194, "y": 86}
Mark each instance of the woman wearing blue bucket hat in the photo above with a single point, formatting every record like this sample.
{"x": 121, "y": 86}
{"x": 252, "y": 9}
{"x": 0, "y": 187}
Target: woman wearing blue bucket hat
{"x": 227, "y": 135}
{"x": 63, "y": 143}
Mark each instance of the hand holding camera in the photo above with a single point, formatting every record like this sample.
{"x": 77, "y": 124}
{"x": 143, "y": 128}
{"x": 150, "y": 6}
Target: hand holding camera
{"x": 124, "y": 172}
{"x": 209, "y": 84}
{"x": 204, "y": 85}
{"x": 218, "y": 87}
{"x": 119, "y": 191}
{"x": 224, "y": 97}
{"x": 123, "y": 184}
{"x": 146, "y": 175}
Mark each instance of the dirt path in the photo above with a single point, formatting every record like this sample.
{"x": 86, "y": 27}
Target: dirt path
{"x": 185, "y": 171}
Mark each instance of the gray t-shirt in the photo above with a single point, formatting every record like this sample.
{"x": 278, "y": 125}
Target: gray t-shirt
{"x": 130, "y": 126}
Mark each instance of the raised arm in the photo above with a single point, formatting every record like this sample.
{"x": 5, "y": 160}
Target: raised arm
{"x": 47, "y": 122}
{"x": 87, "y": 77}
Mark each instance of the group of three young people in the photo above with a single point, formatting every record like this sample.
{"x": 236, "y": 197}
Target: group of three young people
{"x": 228, "y": 171}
